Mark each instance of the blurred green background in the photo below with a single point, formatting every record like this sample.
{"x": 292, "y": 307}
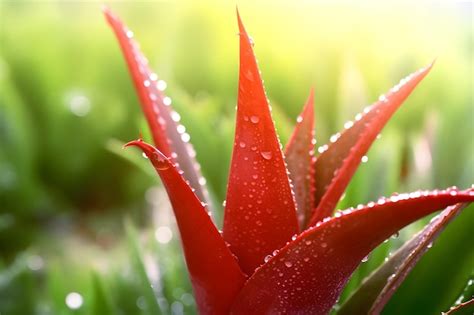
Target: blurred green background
{"x": 86, "y": 228}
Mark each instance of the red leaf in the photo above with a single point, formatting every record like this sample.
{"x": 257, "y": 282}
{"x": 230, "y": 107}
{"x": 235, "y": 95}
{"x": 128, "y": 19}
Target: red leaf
{"x": 299, "y": 159}
{"x": 260, "y": 214}
{"x": 335, "y": 166}
{"x": 307, "y": 275}
{"x": 379, "y": 287}
{"x": 163, "y": 121}
{"x": 463, "y": 308}
{"x": 214, "y": 272}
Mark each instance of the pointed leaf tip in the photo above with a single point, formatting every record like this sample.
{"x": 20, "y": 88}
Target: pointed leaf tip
{"x": 307, "y": 275}
{"x": 149, "y": 150}
{"x": 299, "y": 159}
{"x": 214, "y": 272}
{"x": 339, "y": 160}
{"x": 422, "y": 242}
{"x": 162, "y": 120}
{"x": 260, "y": 213}
{"x": 378, "y": 287}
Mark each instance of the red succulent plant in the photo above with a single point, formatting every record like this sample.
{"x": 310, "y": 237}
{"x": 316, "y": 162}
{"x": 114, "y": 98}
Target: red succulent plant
{"x": 283, "y": 249}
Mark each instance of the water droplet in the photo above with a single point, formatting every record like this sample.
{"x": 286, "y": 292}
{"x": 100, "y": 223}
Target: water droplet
{"x": 324, "y": 245}
{"x": 306, "y": 259}
{"x": 162, "y": 165}
{"x": 254, "y": 119}
{"x": 35, "y": 262}
{"x": 242, "y": 144}
{"x": 181, "y": 129}
{"x": 161, "y": 85}
{"x": 267, "y": 258}
{"x": 364, "y": 159}
{"x": 323, "y": 148}
{"x": 175, "y": 116}
{"x": 185, "y": 137}
{"x": 251, "y": 41}
{"x": 334, "y": 137}
{"x": 79, "y": 105}
{"x": 308, "y": 242}
{"x": 365, "y": 259}
{"x": 167, "y": 101}
{"x": 249, "y": 75}
{"x": 129, "y": 34}
{"x": 163, "y": 234}
{"x": 299, "y": 119}
{"x": 146, "y": 83}
{"x": 74, "y": 300}
{"x": 288, "y": 264}
{"x": 267, "y": 155}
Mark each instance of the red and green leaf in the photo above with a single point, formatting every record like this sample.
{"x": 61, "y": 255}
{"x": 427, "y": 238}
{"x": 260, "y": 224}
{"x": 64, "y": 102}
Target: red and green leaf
{"x": 465, "y": 308}
{"x": 307, "y": 275}
{"x": 164, "y": 124}
{"x": 379, "y": 287}
{"x": 299, "y": 159}
{"x": 339, "y": 160}
{"x": 260, "y": 214}
{"x": 214, "y": 272}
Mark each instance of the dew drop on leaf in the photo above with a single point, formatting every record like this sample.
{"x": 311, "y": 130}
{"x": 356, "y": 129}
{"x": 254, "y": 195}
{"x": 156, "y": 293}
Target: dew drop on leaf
{"x": 267, "y": 155}
{"x": 161, "y": 85}
{"x": 167, "y": 101}
{"x": 254, "y": 119}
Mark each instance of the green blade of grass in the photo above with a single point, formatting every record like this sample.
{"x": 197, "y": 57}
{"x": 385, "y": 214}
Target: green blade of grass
{"x": 153, "y": 308}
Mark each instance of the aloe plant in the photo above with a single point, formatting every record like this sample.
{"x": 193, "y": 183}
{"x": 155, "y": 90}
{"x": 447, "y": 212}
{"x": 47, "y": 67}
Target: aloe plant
{"x": 283, "y": 249}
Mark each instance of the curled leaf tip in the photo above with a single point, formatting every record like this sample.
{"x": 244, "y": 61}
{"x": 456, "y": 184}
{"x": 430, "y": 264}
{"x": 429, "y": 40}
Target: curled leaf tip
{"x": 131, "y": 143}
{"x": 148, "y": 149}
